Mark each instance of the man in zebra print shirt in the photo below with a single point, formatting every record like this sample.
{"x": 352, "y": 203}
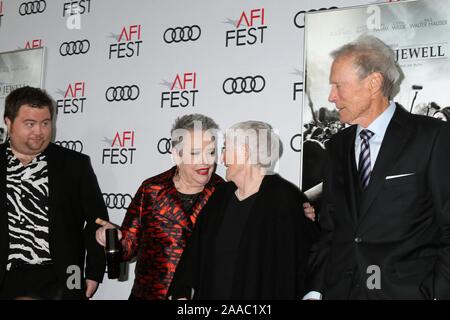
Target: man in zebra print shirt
{"x": 47, "y": 215}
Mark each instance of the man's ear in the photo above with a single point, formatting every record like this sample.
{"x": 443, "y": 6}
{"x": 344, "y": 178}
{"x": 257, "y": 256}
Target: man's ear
{"x": 8, "y": 123}
{"x": 376, "y": 82}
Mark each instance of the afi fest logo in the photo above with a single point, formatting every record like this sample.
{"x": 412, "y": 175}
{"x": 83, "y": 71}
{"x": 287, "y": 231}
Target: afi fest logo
{"x": 74, "y": 98}
{"x": 32, "y": 44}
{"x": 73, "y": 11}
{"x": 182, "y": 91}
{"x": 76, "y": 7}
{"x": 122, "y": 149}
{"x": 249, "y": 29}
{"x": 128, "y": 42}
{"x": 297, "y": 87}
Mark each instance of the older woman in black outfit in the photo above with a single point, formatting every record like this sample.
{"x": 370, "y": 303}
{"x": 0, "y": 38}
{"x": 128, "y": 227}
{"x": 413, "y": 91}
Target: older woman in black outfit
{"x": 252, "y": 239}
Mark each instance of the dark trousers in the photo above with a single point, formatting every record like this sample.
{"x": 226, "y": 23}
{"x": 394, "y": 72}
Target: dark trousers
{"x": 134, "y": 298}
{"x": 30, "y": 282}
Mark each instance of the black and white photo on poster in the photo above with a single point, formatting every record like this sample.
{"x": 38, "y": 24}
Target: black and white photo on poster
{"x": 18, "y": 69}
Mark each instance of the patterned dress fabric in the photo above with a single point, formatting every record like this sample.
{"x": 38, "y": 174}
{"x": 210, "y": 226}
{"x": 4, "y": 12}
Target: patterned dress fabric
{"x": 27, "y": 200}
{"x": 155, "y": 230}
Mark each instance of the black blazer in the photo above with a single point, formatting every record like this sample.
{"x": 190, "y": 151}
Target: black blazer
{"x": 400, "y": 224}
{"x": 75, "y": 201}
{"x": 273, "y": 250}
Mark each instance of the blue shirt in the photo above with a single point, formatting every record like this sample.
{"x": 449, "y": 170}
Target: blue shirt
{"x": 378, "y": 127}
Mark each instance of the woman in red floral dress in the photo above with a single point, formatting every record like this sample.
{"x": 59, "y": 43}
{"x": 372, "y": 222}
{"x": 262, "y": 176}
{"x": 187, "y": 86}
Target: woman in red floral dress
{"x": 161, "y": 217}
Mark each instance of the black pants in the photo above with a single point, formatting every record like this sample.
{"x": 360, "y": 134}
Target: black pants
{"x": 30, "y": 282}
{"x": 134, "y": 298}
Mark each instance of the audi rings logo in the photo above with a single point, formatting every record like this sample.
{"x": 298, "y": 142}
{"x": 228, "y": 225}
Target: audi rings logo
{"x": 299, "y": 18}
{"x": 74, "y": 47}
{"x": 164, "y": 146}
{"x": 117, "y": 200}
{"x": 178, "y": 34}
{"x": 32, "y": 7}
{"x": 297, "y": 148}
{"x": 244, "y": 85}
{"x": 122, "y": 93}
{"x": 75, "y": 145}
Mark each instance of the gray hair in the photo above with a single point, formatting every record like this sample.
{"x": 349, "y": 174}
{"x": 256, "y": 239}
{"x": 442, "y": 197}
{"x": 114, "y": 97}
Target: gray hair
{"x": 373, "y": 55}
{"x": 191, "y": 122}
{"x": 264, "y": 145}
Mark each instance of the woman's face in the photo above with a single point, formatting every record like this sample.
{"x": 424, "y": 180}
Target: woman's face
{"x": 196, "y": 157}
{"x": 234, "y": 157}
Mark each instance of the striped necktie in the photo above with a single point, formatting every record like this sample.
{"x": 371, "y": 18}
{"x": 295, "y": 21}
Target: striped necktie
{"x": 364, "y": 168}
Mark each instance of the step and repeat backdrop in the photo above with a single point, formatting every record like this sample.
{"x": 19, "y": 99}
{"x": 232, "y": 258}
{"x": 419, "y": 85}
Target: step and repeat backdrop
{"x": 122, "y": 71}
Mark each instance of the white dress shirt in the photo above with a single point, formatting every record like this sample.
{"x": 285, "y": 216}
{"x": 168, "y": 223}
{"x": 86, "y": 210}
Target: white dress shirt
{"x": 378, "y": 127}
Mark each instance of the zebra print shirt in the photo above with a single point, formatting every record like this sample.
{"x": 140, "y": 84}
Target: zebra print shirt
{"x": 27, "y": 194}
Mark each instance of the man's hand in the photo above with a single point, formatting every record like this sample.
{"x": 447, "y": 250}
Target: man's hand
{"x": 309, "y": 211}
{"x": 91, "y": 287}
{"x": 100, "y": 233}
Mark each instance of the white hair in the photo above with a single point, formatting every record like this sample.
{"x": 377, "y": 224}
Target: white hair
{"x": 264, "y": 145}
{"x": 373, "y": 55}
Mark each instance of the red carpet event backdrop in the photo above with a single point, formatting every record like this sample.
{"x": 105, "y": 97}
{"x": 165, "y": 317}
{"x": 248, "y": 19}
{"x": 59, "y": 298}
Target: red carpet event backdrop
{"x": 122, "y": 71}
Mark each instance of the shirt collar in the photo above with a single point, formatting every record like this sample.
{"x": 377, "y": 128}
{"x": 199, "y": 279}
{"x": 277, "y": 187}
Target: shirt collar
{"x": 380, "y": 124}
{"x": 12, "y": 158}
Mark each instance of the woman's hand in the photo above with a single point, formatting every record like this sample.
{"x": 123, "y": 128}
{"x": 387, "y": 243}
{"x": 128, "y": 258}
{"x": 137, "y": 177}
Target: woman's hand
{"x": 309, "y": 211}
{"x": 100, "y": 233}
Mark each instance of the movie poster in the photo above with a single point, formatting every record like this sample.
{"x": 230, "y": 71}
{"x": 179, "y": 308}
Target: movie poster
{"x": 17, "y": 69}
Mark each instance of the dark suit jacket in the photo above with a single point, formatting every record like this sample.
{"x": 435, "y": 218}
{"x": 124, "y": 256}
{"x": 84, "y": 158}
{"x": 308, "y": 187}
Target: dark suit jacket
{"x": 273, "y": 250}
{"x": 401, "y": 225}
{"x": 75, "y": 201}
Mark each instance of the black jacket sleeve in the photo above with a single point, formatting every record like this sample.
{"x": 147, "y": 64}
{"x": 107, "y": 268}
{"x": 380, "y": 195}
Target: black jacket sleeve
{"x": 439, "y": 175}
{"x": 319, "y": 253}
{"x": 93, "y": 207}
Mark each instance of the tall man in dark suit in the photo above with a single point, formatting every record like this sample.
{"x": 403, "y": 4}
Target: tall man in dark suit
{"x": 50, "y": 199}
{"x": 386, "y": 215}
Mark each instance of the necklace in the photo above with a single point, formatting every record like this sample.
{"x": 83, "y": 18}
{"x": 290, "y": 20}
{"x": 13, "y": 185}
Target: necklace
{"x": 188, "y": 197}
{"x": 188, "y": 200}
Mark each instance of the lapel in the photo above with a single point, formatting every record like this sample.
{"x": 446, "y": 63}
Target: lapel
{"x": 169, "y": 206}
{"x": 393, "y": 143}
{"x": 199, "y": 204}
{"x": 351, "y": 181}
{"x": 4, "y": 233}
{"x": 55, "y": 186}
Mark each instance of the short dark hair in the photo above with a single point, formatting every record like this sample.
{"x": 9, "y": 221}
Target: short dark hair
{"x": 34, "y": 97}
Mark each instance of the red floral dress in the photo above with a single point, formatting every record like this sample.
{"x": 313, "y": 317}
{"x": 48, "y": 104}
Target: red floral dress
{"x": 155, "y": 230}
